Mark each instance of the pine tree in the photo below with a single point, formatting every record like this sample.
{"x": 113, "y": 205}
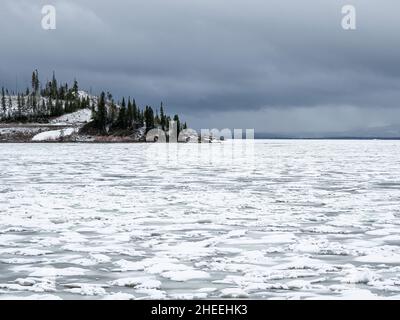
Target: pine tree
{"x": 149, "y": 118}
{"x": 9, "y": 104}
{"x": 113, "y": 112}
{"x": 162, "y": 117}
{"x": 167, "y": 121}
{"x": 142, "y": 118}
{"x": 178, "y": 124}
{"x": 135, "y": 111}
{"x": 121, "y": 121}
{"x": 67, "y": 107}
{"x": 23, "y": 101}
{"x": 3, "y": 101}
{"x": 75, "y": 88}
{"x": 37, "y": 85}
{"x": 54, "y": 93}
{"x": 43, "y": 108}
{"x": 61, "y": 92}
{"x": 87, "y": 102}
{"x": 129, "y": 115}
{"x": 33, "y": 103}
{"x": 157, "y": 121}
{"x": 101, "y": 114}
{"x": 19, "y": 107}
{"x": 33, "y": 81}
{"x": 58, "y": 108}
{"x": 50, "y": 107}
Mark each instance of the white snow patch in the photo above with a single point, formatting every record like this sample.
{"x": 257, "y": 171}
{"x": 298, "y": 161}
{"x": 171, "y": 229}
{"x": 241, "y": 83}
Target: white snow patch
{"x": 140, "y": 282}
{"x": 78, "y": 117}
{"x": 46, "y": 272}
{"x": 54, "y": 134}
{"x": 380, "y": 258}
{"x": 363, "y": 276}
{"x": 233, "y": 293}
{"x": 86, "y": 289}
{"x": 185, "y": 275}
{"x": 119, "y": 296}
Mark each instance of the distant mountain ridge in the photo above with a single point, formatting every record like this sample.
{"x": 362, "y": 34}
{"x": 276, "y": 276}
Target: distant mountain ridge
{"x": 378, "y": 132}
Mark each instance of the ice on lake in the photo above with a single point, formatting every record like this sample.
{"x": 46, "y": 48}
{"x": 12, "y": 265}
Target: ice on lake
{"x": 273, "y": 219}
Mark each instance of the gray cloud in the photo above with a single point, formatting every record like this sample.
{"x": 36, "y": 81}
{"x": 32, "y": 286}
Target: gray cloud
{"x": 232, "y": 61}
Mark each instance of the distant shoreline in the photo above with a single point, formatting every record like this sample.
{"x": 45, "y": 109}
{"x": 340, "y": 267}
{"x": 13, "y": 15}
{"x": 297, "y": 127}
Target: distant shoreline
{"x": 145, "y": 142}
{"x": 329, "y": 138}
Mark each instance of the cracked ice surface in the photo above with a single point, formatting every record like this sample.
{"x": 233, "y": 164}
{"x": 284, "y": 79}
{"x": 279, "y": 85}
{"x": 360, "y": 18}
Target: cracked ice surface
{"x": 274, "y": 219}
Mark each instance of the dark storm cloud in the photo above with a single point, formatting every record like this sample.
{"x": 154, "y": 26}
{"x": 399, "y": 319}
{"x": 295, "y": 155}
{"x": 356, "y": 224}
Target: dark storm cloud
{"x": 288, "y": 59}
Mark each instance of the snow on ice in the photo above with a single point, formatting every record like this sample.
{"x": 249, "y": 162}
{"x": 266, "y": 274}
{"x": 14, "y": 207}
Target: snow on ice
{"x": 300, "y": 220}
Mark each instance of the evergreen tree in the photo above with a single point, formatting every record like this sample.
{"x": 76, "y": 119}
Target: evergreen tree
{"x": 129, "y": 114}
{"x": 58, "y": 108}
{"x": 23, "y": 101}
{"x": 50, "y": 107}
{"x": 19, "y": 107}
{"x": 37, "y": 85}
{"x": 149, "y": 118}
{"x": 54, "y": 90}
{"x": 33, "y": 103}
{"x": 87, "y": 102}
{"x": 162, "y": 117}
{"x": 121, "y": 121}
{"x": 178, "y": 124}
{"x": 113, "y": 112}
{"x": 9, "y": 104}
{"x": 33, "y": 81}
{"x": 100, "y": 116}
{"x": 157, "y": 121}
{"x": 3, "y": 100}
{"x": 75, "y": 88}
{"x": 135, "y": 111}
{"x": 167, "y": 121}
{"x": 43, "y": 108}
{"x": 67, "y": 107}
{"x": 61, "y": 92}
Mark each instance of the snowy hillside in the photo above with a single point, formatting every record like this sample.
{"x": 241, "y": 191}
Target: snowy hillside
{"x": 13, "y": 107}
{"x": 75, "y": 118}
{"x": 63, "y": 110}
{"x": 54, "y": 135}
{"x": 16, "y": 107}
{"x": 24, "y": 121}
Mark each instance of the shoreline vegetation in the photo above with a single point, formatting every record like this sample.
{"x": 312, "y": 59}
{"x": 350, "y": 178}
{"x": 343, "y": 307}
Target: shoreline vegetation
{"x": 59, "y": 112}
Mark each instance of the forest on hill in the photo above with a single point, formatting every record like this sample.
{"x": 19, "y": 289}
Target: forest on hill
{"x": 43, "y": 101}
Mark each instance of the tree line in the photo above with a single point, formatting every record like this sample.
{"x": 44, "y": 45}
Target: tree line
{"x": 110, "y": 116}
{"x": 43, "y": 101}
{"x": 39, "y": 103}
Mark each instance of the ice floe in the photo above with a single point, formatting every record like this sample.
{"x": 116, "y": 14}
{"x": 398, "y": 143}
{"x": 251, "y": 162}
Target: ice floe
{"x": 307, "y": 220}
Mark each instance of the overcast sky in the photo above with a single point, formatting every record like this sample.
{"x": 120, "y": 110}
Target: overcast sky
{"x": 273, "y": 65}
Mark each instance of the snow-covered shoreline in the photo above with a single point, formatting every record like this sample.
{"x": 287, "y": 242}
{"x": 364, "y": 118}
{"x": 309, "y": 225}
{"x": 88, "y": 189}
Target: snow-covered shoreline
{"x": 57, "y": 130}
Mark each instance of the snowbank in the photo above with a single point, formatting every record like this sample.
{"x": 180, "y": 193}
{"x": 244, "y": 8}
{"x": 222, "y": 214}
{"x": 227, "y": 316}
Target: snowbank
{"x": 54, "y": 135}
{"x": 78, "y": 117}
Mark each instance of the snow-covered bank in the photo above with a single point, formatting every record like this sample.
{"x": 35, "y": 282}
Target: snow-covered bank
{"x": 58, "y": 129}
{"x": 76, "y": 118}
{"x": 55, "y": 135}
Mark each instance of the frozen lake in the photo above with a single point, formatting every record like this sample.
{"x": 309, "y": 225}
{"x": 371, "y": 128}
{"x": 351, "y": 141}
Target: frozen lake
{"x": 277, "y": 219}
